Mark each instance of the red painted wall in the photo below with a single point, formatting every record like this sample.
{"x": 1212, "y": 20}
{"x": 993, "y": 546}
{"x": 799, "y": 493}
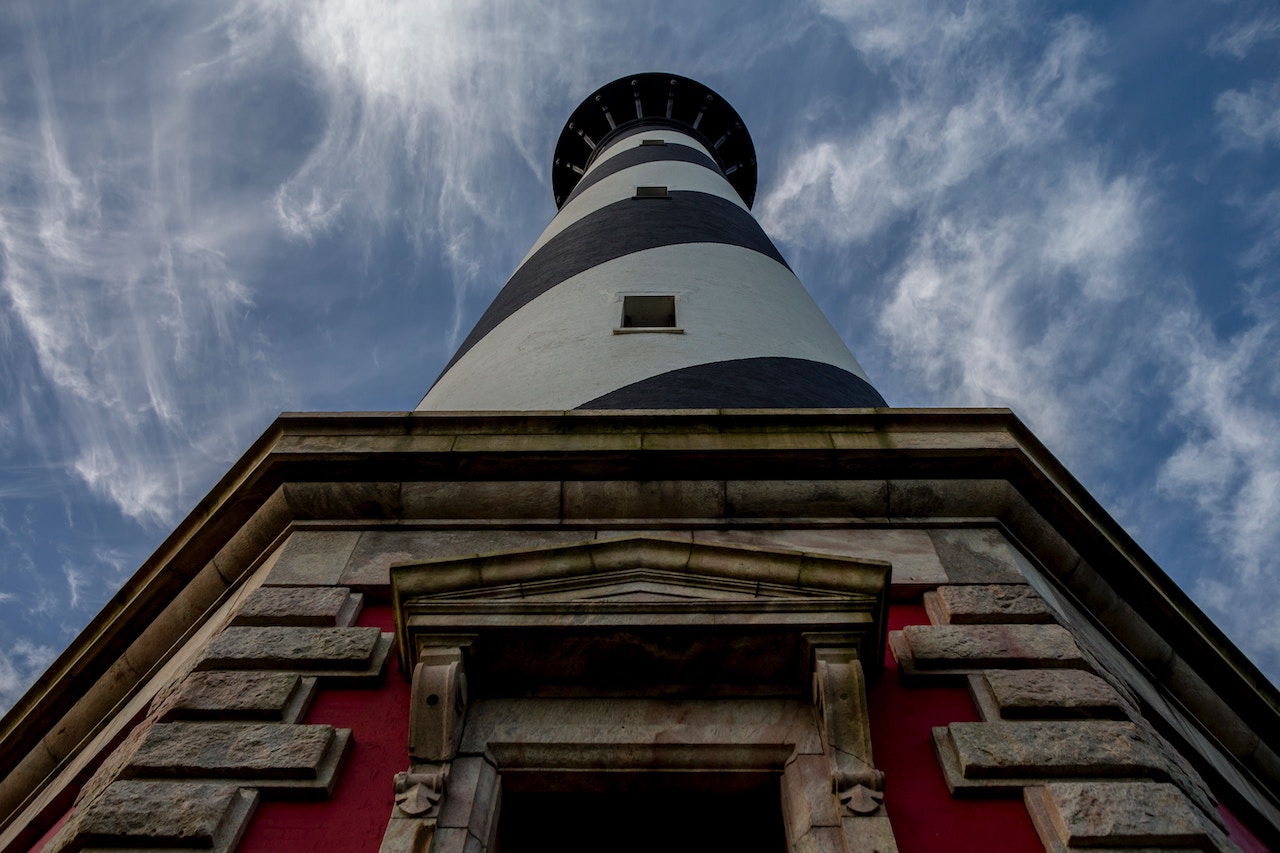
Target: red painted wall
{"x": 355, "y": 817}
{"x": 925, "y": 817}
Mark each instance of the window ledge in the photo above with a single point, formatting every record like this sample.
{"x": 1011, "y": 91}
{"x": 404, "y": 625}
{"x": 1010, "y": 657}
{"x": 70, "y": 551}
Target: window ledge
{"x": 635, "y": 330}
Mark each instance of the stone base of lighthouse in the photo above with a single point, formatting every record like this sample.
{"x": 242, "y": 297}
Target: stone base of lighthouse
{"x": 802, "y": 630}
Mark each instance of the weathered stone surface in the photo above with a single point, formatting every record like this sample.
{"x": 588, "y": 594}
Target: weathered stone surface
{"x": 976, "y": 555}
{"x": 643, "y": 499}
{"x": 292, "y": 648}
{"x": 986, "y": 604}
{"x": 471, "y": 798}
{"x": 1076, "y": 815}
{"x": 633, "y": 725}
{"x": 455, "y": 841}
{"x": 275, "y": 696}
{"x": 807, "y": 498}
{"x": 869, "y": 834}
{"x": 807, "y": 800}
{"x": 1044, "y": 694}
{"x": 949, "y": 499}
{"x": 910, "y": 551}
{"x": 947, "y": 653}
{"x": 314, "y": 557}
{"x": 378, "y": 550}
{"x": 148, "y": 813}
{"x": 318, "y": 606}
{"x": 265, "y": 753}
{"x": 1003, "y": 757}
{"x": 478, "y": 499}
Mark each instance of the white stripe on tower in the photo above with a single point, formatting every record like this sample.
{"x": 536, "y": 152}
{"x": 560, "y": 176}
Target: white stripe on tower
{"x": 653, "y": 287}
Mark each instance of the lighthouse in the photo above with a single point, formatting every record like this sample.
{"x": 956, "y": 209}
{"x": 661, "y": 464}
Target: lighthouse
{"x": 653, "y": 287}
{"x": 651, "y": 566}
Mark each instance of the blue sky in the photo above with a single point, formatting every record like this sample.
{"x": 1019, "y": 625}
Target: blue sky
{"x": 213, "y": 212}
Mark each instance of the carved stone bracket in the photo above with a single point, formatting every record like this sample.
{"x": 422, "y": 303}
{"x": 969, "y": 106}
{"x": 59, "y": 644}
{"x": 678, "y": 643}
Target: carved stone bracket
{"x": 439, "y": 704}
{"x": 839, "y": 695}
{"x": 420, "y": 789}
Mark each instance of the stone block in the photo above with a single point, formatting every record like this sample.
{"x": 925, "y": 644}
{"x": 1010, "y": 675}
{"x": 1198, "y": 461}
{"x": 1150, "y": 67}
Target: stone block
{"x": 316, "y": 606}
{"x": 910, "y": 551}
{"x": 274, "y": 696}
{"x": 455, "y": 841}
{"x": 150, "y": 813}
{"x": 378, "y": 550}
{"x": 279, "y": 757}
{"x": 806, "y": 499}
{"x": 947, "y": 654}
{"x": 807, "y": 800}
{"x": 869, "y": 834}
{"x": 480, "y": 499}
{"x": 1089, "y": 815}
{"x": 347, "y": 655}
{"x": 643, "y": 499}
{"x": 332, "y": 501}
{"x": 947, "y": 499}
{"x": 976, "y": 555}
{"x": 471, "y": 798}
{"x": 313, "y": 557}
{"x": 1044, "y": 694}
{"x": 986, "y": 604}
{"x": 821, "y": 839}
{"x": 1001, "y": 758}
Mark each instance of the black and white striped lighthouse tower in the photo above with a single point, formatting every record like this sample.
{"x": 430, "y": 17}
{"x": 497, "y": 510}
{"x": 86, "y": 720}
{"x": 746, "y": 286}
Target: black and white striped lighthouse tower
{"x": 653, "y": 287}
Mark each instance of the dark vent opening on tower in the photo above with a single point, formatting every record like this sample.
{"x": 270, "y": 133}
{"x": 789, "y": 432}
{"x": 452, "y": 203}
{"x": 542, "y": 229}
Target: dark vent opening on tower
{"x": 648, "y": 312}
{"x": 653, "y": 142}
{"x": 652, "y": 192}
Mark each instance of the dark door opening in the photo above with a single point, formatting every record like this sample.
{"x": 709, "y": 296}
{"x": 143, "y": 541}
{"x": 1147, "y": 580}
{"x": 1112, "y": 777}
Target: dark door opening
{"x": 668, "y": 821}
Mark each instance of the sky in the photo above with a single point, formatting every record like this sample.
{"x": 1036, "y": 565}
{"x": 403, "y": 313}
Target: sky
{"x": 214, "y": 212}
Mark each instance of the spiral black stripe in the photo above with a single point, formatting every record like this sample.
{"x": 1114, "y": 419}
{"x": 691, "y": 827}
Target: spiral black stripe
{"x": 746, "y": 383}
{"x": 617, "y": 230}
{"x": 672, "y": 151}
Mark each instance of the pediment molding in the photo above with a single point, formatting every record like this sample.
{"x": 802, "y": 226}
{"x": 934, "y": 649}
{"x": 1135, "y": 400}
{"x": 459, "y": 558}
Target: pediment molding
{"x": 667, "y": 596}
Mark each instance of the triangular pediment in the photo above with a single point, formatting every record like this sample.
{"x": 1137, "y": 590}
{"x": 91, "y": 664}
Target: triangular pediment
{"x": 658, "y": 596}
{"x": 639, "y": 585}
{"x": 669, "y": 565}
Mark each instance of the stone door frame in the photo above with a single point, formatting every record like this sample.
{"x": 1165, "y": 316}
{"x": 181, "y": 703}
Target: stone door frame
{"x": 814, "y": 735}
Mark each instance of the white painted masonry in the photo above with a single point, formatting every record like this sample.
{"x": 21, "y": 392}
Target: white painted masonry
{"x": 674, "y": 176}
{"x": 559, "y": 350}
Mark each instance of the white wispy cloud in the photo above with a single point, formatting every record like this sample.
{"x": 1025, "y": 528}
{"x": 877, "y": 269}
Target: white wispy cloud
{"x": 1250, "y": 119}
{"x": 1022, "y": 241}
{"x": 1229, "y": 467}
{"x": 19, "y": 666}
{"x": 1239, "y": 39}
{"x": 116, "y": 273}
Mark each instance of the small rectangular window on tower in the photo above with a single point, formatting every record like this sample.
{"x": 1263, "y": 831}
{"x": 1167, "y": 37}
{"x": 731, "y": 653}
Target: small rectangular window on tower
{"x": 652, "y": 192}
{"x": 653, "y": 142}
{"x": 648, "y": 314}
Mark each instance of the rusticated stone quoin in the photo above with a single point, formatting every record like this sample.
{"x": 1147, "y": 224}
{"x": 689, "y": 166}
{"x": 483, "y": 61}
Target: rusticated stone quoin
{"x": 1004, "y": 757}
{"x": 240, "y": 695}
{"x": 1044, "y": 694}
{"x": 149, "y": 813}
{"x": 354, "y": 653}
{"x": 265, "y": 755}
{"x": 986, "y": 604}
{"x": 947, "y": 653}
{"x": 1089, "y": 815}
{"x": 316, "y": 606}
